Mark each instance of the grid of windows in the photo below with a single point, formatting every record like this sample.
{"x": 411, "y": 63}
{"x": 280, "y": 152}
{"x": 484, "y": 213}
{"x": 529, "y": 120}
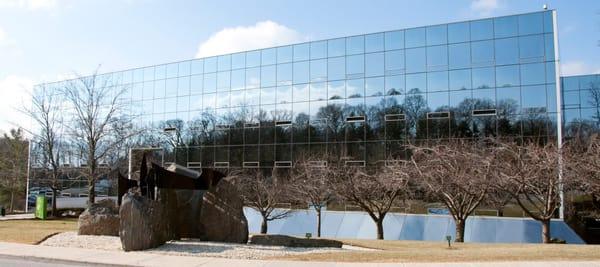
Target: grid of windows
{"x": 360, "y": 98}
{"x": 580, "y": 102}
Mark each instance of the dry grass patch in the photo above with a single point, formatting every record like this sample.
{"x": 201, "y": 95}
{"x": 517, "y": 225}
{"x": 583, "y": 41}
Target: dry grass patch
{"x": 421, "y": 251}
{"x": 33, "y": 231}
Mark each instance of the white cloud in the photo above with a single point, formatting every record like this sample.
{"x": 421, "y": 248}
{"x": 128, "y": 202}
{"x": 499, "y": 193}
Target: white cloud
{"x": 485, "y": 7}
{"x": 261, "y": 35}
{"x": 577, "y": 68}
{"x": 29, "y": 4}
{"x": 14, "y": 92}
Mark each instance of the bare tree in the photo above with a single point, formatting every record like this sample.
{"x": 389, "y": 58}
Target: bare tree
{"x": 457, "y": 174}
{"x": 530, "y": 173}
{"x": 98, "y": 113}
{"x": 13, "y": 164}
{"x": 375, "y": 192}
{"x": 263, "y": 193}
{"x": 312, "y": 184}
{"x": 47, "y": 131}
{"x": 582, "y": 164}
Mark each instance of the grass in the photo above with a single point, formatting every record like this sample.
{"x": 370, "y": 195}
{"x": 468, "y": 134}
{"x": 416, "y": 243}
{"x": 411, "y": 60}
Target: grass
{"x": 421, "y": 251}
{"x": 33, "y": 231}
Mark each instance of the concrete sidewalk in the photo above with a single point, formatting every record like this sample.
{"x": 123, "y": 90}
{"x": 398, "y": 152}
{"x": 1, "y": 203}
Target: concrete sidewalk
{"x": 119, "y": 258}
{"x": 24, "y": 216}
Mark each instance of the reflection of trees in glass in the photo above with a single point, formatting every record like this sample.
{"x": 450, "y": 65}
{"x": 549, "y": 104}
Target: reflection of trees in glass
{"x": 416, "y": 110}
{"x": 594, "y": 101}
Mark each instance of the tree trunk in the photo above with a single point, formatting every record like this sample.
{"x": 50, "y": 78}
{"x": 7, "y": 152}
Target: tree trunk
{"x": 12, "y": 200}
{"x": 460, "y": 231}
{"x": 263, "y": 226}
{"x": 318, "y": 222}
{"x": 91, "y": 192}
{"x": 54, "y": 210}
{"x": 379, "y": 223}
{"x": 546, "y": 231}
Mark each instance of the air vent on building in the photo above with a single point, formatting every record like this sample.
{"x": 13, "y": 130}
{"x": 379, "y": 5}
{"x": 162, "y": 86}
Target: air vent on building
{"x": 194, "y": 165}
{"x": 251, "y": 125}
{"x": 169, "y": 129}
{"x": 356, "y": 163}
{"x": 484, "y": 112}
{"x": 317, "y": 163}
{"x": 283, "y": 164}
{"x": 438, "y": 115}
{"x": 251, "y": 164}
{"x": 221, "y": 164}
{"x": 222, "y": 126}
{"x": 395, "y": 117}
{"x": 355, "y": 119}
{"x": 283, "y": 123}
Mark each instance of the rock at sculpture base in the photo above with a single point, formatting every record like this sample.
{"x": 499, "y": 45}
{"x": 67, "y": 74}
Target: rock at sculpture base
{"x": 143, "y": 224}
{"x": 101, "y": 218}
{"x": 290, "y": 241}
{"x": 222, "y": 216}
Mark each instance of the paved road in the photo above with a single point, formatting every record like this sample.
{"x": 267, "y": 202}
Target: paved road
{"x": 22, "y": 262}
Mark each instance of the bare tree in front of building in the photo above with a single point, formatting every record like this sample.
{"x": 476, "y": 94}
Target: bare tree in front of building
{"x": 456, "y": 173}
{"x": 582, "y": 164}
{"x": 263, "y": 192}
{"x": 99, "y": 122}
{"x": 530, "y": 173}
{"x": 375, "y": 192}
{"x": 312, "y": 184}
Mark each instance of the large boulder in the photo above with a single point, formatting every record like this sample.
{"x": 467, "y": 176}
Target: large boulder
{"x": 222, "y": 215}
{"x": 143, "y": 223}
{"x": 290, "y": 241}
{"x": 101, "y": 218}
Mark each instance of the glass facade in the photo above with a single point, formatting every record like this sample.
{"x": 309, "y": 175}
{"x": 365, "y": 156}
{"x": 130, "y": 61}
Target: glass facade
{"x": 580, "y": 103}
{"x": 359, "y": 99}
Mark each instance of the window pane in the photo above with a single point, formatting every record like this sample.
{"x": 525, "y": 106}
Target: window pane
{"x": 238, "y": 79}
{"x": 458, "y": 98}
{"x": 252, "y": 59}
{"x": 415, "y": 37}
{"x": 336, "y": 68}
{"x": 318, "y": 91}
{"x": 438, "y": 101}
{"x": 210, "y": 82}
{"x": 238, "y": 61}
{"x": 301, "y": 74}
{"x": 437, "y": 35}
{"x": 374, "y": 42}
{"x": 485, "y": 98}
{"x": 184, "y": 68}
{"x": 224, "y": 62}
{"x": 172, "y": 70}
{"x": 458, "y": 32}
{"x": 394, "y": 62}
{"x": 507, "y": 51}
{"x": 197, "y": 68}
{"x": 506, "y": 27}
{"x": 416, "y": 82}
{"x": 223, "y": 80}
{"x": 548, "y": 19}
{"x": 284, "y": 74}
{"x": 356, "y": 88}
{"x": 284, "y": 54}
{"x": 336, "y": 47}
{"x": 394, "y": 85}
{"x": 394, "y": 40}
{"x": 415, "y": 60}
{"x": 318, "y": 70}
{"x": 267, "y": 96}
{"x": 531, "y": 48}
{"x": 355, "y": 45}
{"x": 284, "y": 94}
{"x": 318, "y": 49}
{"x": 252, "y": 77}
{"x": 355, "y": 66}
{"x": 482, "y": 29}
{"x": 300, "y": 92}
{"x": 437, "y": 57}
{"x": 268, "y": 56}
{"x": 460, "y": 55}
{"x": 268, "y": 76}
{"x": 460, "y": 79}
{"x": 533, "y": 96}
{"x": 374, "y": 64}
{"x": 509, "y": 99}
{"x": 437, "y": 81}
{"x": 533, "y": 74}
{"x": 336, "y": 90}
{"x": 531, "y": 23}
{"x": 549, "y": 44}
{"x": 374, "y": 86}
{"x": 482, "y": 53}
{"x": 507, "y": 76}
{"x": 483, "y": 78}
{"x": 196, "y": 84}
{"x": 301, "y": 52}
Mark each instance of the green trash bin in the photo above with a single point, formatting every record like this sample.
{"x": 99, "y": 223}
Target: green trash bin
{"x": 40, "y": 207}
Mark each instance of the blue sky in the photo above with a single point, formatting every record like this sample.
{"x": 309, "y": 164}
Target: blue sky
{"x": 48, "y": 40}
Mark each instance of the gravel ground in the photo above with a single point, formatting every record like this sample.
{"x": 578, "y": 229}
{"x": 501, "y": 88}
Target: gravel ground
{"x": 185, "y": 247}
